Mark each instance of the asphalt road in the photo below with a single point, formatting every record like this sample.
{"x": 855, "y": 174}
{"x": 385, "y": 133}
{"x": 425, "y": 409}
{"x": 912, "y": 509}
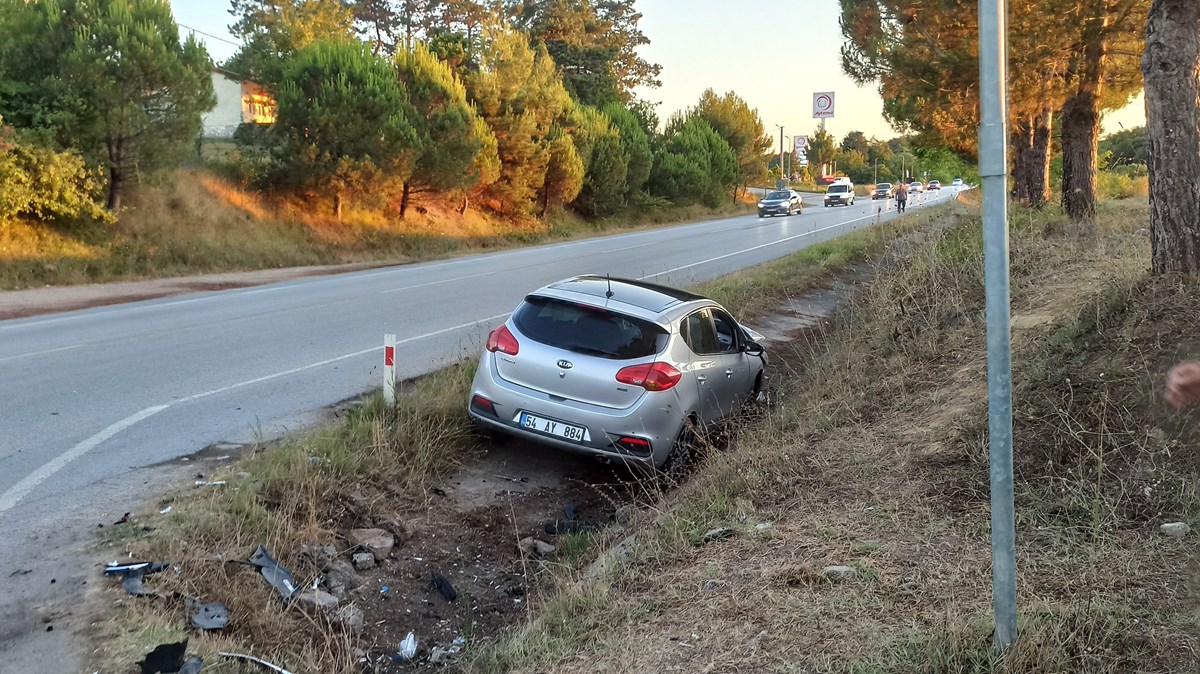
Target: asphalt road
{"x": 91, "y": 400}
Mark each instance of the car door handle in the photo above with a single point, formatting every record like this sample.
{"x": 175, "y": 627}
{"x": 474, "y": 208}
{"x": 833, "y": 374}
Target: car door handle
{"x": 701, "y": 378}
{"x": 728, "y": 373}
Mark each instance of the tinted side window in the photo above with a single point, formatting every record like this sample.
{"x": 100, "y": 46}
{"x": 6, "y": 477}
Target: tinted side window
{"x": 698, "y": 333}
{"x": 727, "y": 332}
{"x": 588, "y": 330}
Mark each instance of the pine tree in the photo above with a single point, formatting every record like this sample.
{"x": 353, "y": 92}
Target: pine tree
{"x": 452, "y": 136}
{"x": 346, "y": 119}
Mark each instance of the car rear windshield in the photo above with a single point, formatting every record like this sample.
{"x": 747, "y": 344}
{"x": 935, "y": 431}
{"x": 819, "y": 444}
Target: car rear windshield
{"x": 839, "y": 188}
{"x": 780, "y": 195}
{"x": 588, "y": 330}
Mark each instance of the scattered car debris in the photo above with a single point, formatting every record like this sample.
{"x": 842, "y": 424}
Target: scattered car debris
{"x": 257, "y": 661}
{"x": 718, "y": 534}
{"x": 134, "y": 574}
{"x": 443, "y": 586}
{"x": 124, "y": 519}
{"x": 518, "y": 480}
{"x": 165, "y": 511}
{"x": 279, "y": 578}
{"x": 193, "y": 665}
{"x": 165, "y": 658}
{"x": 204, "y": 483}
{"x": 441, "y": 655}
{"x": 211, "y": 616}
{"x": 569, "y": 524}
{"x": 408, "y": 648}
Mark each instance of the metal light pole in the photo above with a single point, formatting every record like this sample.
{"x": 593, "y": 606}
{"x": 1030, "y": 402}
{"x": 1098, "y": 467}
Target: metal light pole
{"x": 876, "y": 171}
{"x": 780, "y": 152}
{"x": 993, "y": 167}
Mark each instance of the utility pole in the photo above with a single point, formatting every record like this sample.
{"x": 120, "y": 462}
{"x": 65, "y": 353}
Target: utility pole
{"x": 780, "y": 152}
{"x": 876, "y": 171}
{"x": 993, "y": 171}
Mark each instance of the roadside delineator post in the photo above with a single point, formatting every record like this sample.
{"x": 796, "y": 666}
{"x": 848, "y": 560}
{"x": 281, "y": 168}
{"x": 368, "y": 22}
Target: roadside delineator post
{"x": 389, "y": 369}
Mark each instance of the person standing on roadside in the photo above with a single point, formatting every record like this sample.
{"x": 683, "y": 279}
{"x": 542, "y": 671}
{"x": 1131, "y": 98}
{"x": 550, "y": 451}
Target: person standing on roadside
{"x": 901, "y": 197}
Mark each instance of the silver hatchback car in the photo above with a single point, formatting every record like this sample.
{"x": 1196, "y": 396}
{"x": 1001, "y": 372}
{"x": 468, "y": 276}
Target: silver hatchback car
{"x": 618, "y": 369}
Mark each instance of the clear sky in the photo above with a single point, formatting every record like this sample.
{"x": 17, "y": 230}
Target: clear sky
{"x": 774, "y": 53}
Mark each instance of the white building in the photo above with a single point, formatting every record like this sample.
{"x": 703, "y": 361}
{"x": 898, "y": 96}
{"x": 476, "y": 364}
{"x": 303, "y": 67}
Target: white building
{"x": 238, "y": 102}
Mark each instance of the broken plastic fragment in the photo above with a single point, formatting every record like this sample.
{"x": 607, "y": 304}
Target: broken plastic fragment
{"x": 134, "y": 574}
{"x": 166, "y": 658}
{"x": 202, "y": 483}
{"x": 251, "y": 658}
{"x": 408, "y": 648}
{"x": 193, "y": 666}
{"x": 165, "y": 511}
{"x": 444, "y": 587}
{"x": 211, "y": 616}
{"x": 280, "y": 578}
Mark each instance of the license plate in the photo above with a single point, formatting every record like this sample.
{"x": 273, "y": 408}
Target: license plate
{"x": 552, "y": 427}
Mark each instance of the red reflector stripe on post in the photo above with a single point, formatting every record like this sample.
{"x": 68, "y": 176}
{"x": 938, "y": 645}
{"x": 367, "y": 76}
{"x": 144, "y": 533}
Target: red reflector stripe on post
{"x": 389, "y": 355}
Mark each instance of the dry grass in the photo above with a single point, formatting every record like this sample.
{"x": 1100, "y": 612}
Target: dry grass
{"x": 883, "y": 441}
{"x": 368, "y": 469}
{"x": 200, "y": 223}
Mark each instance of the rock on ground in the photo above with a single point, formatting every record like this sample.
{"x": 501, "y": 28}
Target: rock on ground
{"x": 1175, "y": 529}
{"x": 840, "y": 572}
{"x": 317, "y": 554}
{"x": 378, "y": 541}
{"x": 363, "y": 561}
{"x": 315, "y": 600}
{"x": 718, "y": 534}
{"x": 350, "y": 617}
{"x": 531, "y": 546}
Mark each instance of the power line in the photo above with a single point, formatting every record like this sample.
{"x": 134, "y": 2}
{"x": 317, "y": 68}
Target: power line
{"x": 236, "y": 44}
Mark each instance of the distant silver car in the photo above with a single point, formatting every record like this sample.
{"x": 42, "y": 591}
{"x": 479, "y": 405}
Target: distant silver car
{"x": 622, "y": 370}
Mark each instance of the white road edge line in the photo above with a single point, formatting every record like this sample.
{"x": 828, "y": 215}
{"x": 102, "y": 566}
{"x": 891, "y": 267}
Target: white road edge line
{"x": 27, "y": 484}
{"x": 21, "y": 489}
{"x": 41, "y": 353}
{"x": 437, "y": 283}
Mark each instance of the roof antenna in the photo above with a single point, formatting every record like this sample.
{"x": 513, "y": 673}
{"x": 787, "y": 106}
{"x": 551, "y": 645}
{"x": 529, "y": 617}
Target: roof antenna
{"x": 609, "y": 293}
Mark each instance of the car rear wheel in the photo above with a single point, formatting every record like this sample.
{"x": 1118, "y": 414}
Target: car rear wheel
{"x": 681, "y": 457}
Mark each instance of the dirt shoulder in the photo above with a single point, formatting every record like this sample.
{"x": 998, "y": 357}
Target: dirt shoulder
{"x": 52, "y": 299}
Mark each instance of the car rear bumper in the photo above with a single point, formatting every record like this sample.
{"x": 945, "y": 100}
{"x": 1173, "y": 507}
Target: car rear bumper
{"x": 655, "y": 418}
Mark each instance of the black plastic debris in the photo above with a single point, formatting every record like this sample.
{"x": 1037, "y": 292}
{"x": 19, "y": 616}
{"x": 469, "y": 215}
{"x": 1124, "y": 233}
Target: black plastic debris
{"x": 443, "y": 586}
{"x": 123, "y": 520}
{"x": 250, "y": 658}
{"x": 569, "y": 524}
{"x": 165, "y": 659}
{"x": 133, "y": 576}
{"x": 279, "y": 578}
{"x": 211, "y": 616}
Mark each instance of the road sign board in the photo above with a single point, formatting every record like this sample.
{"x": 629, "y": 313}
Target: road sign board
{"x": 801, "y": 142}
{"x": 823, "y": 105}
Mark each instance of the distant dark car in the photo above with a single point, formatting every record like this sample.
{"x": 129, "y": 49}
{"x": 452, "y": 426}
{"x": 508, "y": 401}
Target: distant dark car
{"x": 884, "y": 191}
{"x": 934, "y": 185}
{"x": 780, "y": 202}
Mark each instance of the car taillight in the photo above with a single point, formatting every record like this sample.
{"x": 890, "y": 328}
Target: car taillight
{"x": 650, "y": 376}
{"x": 483, "y": 405}
{"x": 503, "y": 341}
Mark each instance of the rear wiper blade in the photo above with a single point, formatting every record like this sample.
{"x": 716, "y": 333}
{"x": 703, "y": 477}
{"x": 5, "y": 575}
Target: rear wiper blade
{"x": 579, "y": 348}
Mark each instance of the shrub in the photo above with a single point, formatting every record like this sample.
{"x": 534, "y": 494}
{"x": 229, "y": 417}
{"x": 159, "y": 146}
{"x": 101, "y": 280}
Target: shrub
{"x": 39, "y": 182}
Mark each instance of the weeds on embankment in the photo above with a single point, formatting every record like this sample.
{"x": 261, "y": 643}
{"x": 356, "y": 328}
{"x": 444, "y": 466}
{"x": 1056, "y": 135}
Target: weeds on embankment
{"x": 875, "y": 459}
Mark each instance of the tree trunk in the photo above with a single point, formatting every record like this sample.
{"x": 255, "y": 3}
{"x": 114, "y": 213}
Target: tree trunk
{"x": 1081, "y": 120}
{"x": 1171, "y": 68}
{"x": 337, "y": 205}
{"x": 116, "y": 182}
{"x": 1039, "y": 169}
{"x": 404, "y": 198}
{"x": 1021, "y": 146}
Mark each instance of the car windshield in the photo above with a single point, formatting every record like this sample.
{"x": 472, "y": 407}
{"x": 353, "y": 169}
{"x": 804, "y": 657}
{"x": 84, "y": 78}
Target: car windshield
{"x": 839, "y": 188}
{"x": 588, "y": 330}
{"x": 780, "y": 195}
{"x": 883, "y": 186}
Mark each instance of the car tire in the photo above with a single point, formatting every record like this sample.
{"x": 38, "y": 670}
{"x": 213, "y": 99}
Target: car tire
{"x": 681, "y": 458}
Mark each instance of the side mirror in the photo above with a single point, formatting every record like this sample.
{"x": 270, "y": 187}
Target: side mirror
{"x": 753, "y": 348}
